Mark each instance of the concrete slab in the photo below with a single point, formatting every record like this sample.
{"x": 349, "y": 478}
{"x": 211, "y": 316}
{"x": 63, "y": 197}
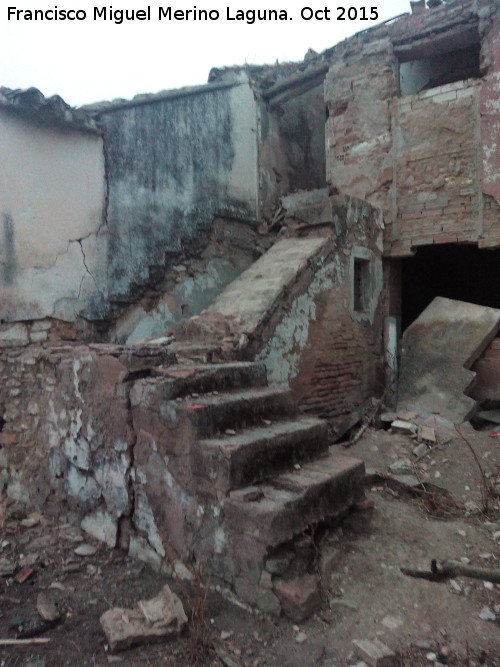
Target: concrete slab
{"x": 438, "y": 349}
{"x": 490, "y": 415}
{"x": 487, "y": 385}
{"x": 313, "y": 207}
{"x": 256, "y": 292}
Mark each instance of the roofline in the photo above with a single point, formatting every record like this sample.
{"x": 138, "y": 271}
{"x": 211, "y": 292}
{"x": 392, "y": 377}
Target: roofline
{"x": 157, "y": 98}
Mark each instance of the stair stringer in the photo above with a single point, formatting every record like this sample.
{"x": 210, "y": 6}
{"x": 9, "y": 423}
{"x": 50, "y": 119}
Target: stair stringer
{"x": 194, "y": 514}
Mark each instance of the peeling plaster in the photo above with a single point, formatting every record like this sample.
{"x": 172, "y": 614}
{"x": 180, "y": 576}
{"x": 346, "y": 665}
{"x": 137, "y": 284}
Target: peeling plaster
{"x": 282, "y": 352}
{"x": 83, "y": 488}
{"x": 144, "y": 520}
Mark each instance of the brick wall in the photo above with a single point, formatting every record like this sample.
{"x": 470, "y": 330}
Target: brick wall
{"x": 340, "y": 369}
{"x": 325, "y": 345}
{"x": 358, "y": 86}
{"x": 437, "y": 186}
{"x": 490, "y": 136}
{"x": 432, "y": 159}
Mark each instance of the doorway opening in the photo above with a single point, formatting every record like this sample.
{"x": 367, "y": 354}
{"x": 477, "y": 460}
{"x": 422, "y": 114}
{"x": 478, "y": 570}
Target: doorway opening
{"x": 454, "y": 271}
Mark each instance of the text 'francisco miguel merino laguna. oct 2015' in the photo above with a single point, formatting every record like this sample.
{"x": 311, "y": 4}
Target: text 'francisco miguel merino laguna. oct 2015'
{"x": 250, "y": 16}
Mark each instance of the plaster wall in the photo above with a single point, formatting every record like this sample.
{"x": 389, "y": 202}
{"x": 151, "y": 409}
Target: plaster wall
{"x": 52, "y": 245}
{"x": 174, "y": 164}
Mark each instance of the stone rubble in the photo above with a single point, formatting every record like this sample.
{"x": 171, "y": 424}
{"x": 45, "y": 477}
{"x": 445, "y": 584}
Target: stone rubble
{"x": 375, "y": 653}
{"x": 161, "y": 617}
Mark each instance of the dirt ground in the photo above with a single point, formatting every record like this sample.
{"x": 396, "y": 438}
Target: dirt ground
{"x": 425, "y": 623}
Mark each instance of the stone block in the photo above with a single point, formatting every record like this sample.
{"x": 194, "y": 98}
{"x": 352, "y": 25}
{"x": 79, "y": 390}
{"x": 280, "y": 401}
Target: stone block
{"x": 375, "y": 653}
{"x": 141, "y": 550}
{"x": 248, "y": 495}
{"x": 40, "y": 325}
{"x": 102, "y": 526}
{"x": 300, "y": 597}
{"x": 247, "y": 555}
{"x": 438, "y": 349}
{"x": 262, "y": 598}
{"x": 161, "y": 617}
{"x": 278, "y": 562}
{"x": 329, "y": 560}
{"x": 15, "y": 335}
{"x": 38, "y": 336}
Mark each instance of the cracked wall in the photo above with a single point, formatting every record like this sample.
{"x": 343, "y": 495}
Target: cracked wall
{"x": 121, "y": 236}
{"x": 52, "y": 234}
{"x": 429, "y": 158}
{"x": 94, "y": 432}
{"x": 317, "y": 342}
{"x": 193, "y": 282}
{"x": 174, "y": 163}
{"x": 66, "y": 434}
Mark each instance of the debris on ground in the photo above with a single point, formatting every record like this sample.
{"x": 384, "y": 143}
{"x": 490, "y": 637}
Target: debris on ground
{"x": 159, "y": 617}
{"x": 410, "y": 520}
{"x": 444, "y": 570}
{"x": 375, "y": 653}
{"x": 47, "y": 608}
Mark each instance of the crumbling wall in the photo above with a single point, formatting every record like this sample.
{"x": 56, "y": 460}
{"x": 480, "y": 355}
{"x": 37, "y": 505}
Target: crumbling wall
{"x": 191, "y": 284}
{"x": 430, "y": 157}
{"x": 82, "y": 431}
{"x": 446, "y": 151}
{"x": 208, "y": 164}
{"x": 489, "y": 109}
{"x": 66, "y": 432}
{"x": 359, "y": 83}
{"x": 95, "y": 432}
{"x": 52, "y": 235}
{"x": 326, "y": 346}
{"x": 175, "y": 161}
{"x": 437, "y": 180}
{"x": 292, "y": 146}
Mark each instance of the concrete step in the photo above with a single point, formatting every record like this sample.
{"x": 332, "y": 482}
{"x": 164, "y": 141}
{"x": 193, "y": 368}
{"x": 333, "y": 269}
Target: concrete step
{"x": 258, "y": 453}
{"x": 185, "y": 379}
{"x": 248, "y": 302}
{"x": 239, "y": 409}
{"x": 287, "y": 505}
{"x": 197, "y": 352}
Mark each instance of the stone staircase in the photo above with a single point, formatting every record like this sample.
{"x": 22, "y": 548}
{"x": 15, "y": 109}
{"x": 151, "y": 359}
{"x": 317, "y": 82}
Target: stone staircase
{"x": 267, "y": 475}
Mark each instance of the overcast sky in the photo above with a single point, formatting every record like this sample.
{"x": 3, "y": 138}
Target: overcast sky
{"x": 91, "y": 60}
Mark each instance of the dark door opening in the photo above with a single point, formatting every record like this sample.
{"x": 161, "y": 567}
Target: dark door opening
{"x": 454, "y": 271}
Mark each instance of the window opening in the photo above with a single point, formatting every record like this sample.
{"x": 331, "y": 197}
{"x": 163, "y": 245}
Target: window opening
{"x": 361, "y": 284}
{"x": 436, "y": 62}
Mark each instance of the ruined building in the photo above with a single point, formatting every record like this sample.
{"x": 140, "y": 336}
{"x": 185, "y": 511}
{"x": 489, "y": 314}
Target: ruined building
{"x": 192, "y": 281}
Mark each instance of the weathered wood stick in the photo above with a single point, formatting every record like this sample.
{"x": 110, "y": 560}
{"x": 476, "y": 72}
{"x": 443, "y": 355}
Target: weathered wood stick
{"x": 24, "y": 642}
{"x": 8, "y": 598}
{"x": 446, "y": 569}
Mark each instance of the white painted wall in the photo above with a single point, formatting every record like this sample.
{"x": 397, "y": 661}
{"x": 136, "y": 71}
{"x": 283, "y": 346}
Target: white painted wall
{"x": 52, "y": 194}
